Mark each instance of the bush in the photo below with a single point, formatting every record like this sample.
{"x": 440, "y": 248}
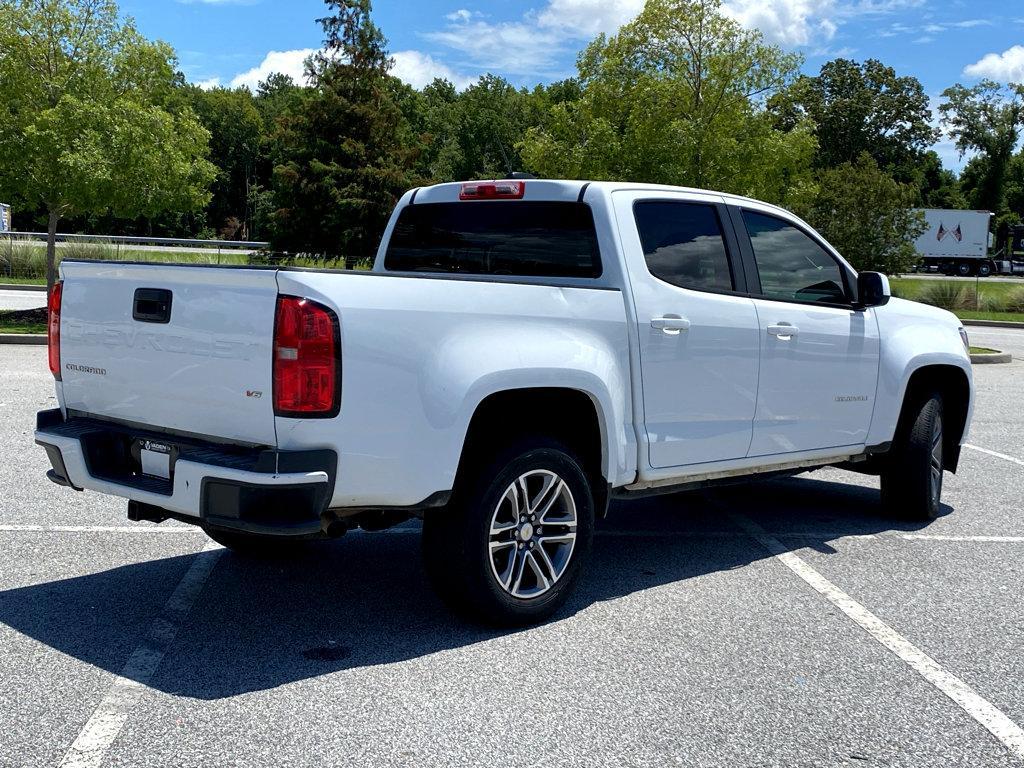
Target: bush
{"x": 948, "y": 296}
{"x": 1015, "y": 300}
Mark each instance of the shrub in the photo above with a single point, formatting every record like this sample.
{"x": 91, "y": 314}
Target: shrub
{"x": 1015, "y": 300}
{"x": 948, "y": 296}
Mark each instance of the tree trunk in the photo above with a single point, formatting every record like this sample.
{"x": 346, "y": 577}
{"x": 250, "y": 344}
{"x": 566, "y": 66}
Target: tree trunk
{"x": 51, "y": 251}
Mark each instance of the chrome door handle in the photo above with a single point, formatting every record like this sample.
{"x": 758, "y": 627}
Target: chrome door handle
{"x": 671, "y": 324}
{"x": 784, "y": 331}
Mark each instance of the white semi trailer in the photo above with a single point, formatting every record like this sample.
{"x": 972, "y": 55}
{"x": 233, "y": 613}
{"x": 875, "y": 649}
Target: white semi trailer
{"x": 956, "y": 242}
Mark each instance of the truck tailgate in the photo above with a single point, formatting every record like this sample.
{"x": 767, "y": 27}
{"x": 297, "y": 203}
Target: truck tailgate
{"x": 204, "y": 369}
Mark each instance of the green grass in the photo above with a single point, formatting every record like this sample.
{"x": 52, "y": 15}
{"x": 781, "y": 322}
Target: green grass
{"x": 982, "y": 351}
{"x": 912, "y": 288}
{"x": 20, "y": 281}
{"x": 22, "y": 328}
{"x": 25, "y": 261}
{"x": 23, "y": 321}
{"x": 974, "y": 315}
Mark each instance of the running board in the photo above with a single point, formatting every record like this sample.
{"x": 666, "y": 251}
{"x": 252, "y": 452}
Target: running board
{"x": 698, "y": 480}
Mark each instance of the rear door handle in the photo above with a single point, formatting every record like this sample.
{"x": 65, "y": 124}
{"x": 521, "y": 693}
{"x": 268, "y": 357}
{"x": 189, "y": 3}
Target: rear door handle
{"x": 783, "y": 331}
{"x": 671, "y": 324}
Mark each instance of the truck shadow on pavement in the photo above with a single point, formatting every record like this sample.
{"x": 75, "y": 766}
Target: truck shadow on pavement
{"x": 363, "y": 600}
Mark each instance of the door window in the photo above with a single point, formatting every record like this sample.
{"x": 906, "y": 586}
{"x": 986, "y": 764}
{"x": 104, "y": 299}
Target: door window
{"x": 791, "y": 265}
{"x": 683, "y": 244}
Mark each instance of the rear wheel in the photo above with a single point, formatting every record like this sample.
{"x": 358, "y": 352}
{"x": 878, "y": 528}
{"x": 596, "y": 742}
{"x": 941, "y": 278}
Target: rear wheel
{"x": 509, "y": 548}
{"x": 984, "y": 269}
{"x": 912, "y": 481}
{"x": 963, "y": 269}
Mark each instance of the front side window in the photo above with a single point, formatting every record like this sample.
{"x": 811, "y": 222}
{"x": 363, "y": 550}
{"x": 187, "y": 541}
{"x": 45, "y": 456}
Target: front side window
{"x": 521, "y": 238}
{"x": 683, "y": 244}
{"x": 791, "y": 265}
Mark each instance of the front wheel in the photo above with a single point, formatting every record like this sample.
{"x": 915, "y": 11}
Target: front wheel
{"x": 510, "y": 547}
{"x": 912, "y": 481}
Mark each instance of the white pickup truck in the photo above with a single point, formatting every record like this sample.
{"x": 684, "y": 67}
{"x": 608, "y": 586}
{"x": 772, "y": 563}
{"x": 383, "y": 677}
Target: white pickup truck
{"x": 521, "y": 352}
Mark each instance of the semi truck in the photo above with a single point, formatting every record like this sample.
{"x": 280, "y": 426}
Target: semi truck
{"x": 956, "y": 242}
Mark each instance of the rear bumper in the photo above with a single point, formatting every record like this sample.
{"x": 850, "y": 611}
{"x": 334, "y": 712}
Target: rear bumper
{"x": 257, "y": 490}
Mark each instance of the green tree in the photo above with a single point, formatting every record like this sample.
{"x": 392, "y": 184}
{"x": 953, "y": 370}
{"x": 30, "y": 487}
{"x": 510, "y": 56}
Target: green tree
{"x": 986, "y": 119}
{"x": 867, "y": 216}
{"x": 939, "y": 187}
{"x": 676, "y": 97}
{"x": 857, "y": 108}
{"x": 236, "y": 148}
{"x": 83, "y": 128}
{"x": 340, "y": 151}
{"x": 474, "y": 134}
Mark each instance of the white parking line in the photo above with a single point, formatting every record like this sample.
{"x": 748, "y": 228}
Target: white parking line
{"x": 100, "y": 529}
{"x": 964, "y": 538}
{"x": 106, "y": 722}
{"x": 1007, "y": 457}
{"x": 976, "y": 706}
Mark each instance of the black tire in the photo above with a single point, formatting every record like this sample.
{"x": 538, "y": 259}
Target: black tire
{"x": 984, "y": 269}
{"x": 963, "y": 269}
{"x": 912, "y": 479}
{"x": 255, "y": 545}
{"x": 457, "y": 541}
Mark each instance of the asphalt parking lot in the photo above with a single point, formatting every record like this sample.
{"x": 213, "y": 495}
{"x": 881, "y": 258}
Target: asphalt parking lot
{"x": 779, "y": 623}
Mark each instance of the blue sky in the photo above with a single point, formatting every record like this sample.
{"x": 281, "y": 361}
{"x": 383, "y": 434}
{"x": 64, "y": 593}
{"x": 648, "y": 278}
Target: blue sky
{"x": 233, "y": 42}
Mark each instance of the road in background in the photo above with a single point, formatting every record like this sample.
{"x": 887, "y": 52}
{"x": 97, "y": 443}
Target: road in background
{"x": 958, "y": 279}
{"x": 13, "y": 299}
{"x": 688, "y": 643}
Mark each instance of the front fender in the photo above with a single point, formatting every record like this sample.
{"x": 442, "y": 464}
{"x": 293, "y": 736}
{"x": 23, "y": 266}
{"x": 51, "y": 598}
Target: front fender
{"x": 913, "y": 336}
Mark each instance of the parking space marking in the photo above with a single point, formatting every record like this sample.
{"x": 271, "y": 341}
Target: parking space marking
{"x": 976, "y": 706}
{"x": 962, "y": 538}
{"x": 1007, "y": 457}
{"x": 106, "y": 722}
{"x": 103, "y": 529}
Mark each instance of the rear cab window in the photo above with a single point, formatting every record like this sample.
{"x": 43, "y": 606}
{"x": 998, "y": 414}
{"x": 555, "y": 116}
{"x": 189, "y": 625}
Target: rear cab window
{"x": 684, "y": 244}
{"x": 522, "y": 238}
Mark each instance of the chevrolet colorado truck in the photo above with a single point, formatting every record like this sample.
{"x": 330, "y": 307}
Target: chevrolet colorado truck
{"x": 522, "y": 352}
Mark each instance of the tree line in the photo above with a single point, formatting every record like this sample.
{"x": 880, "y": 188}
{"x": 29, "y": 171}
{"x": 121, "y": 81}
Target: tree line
{"x": 101, "y": 132}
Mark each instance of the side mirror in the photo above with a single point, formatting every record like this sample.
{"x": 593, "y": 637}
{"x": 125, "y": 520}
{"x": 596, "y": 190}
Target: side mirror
{"x": 872, "y": 289}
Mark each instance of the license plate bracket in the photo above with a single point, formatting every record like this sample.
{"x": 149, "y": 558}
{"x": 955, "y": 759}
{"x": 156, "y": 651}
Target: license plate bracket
{"x": 155, "y": 458}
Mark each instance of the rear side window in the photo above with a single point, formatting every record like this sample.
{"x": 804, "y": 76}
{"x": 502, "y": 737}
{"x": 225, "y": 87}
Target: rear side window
{"x": 522, "y": 238}
{"x": 683, "y": 244}
{"x": 791, "y": 265}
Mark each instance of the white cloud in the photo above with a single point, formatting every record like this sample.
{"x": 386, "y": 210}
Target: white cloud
{"x": 787, "y": 22}
{"x": 290, "y": 63}
{"x": 588, "y": 18}
{"x": 206, "y": 85}
{"x": 536, "y": 43}
{"x": 460, "y": 15}
{"x": 1006, "y": 67}
{"x": 419, "y": 69}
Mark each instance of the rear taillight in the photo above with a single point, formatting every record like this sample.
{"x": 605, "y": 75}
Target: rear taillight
{"x": 307, "y": 363}
{"x": 504, "y": 190}
{"x": 53, "y": 328}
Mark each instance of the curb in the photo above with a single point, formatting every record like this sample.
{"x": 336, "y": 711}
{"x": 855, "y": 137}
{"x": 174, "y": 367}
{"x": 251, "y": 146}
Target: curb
{"x": 39, "y": 339}
{"x": 991, "y": 357}
{"x": 27, "y": 287}
{"x": 993, "y": 323}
